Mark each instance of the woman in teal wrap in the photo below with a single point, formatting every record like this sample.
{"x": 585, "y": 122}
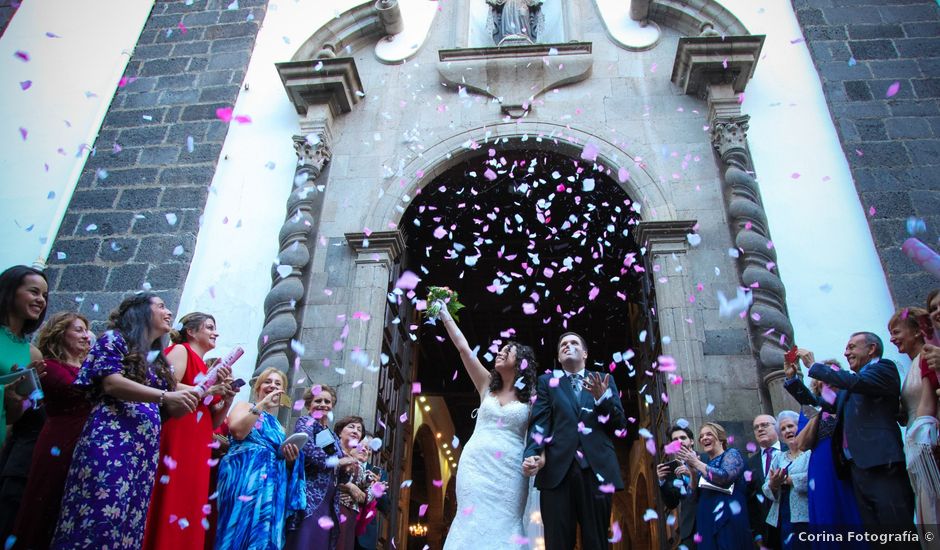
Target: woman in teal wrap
{"x": 261, "y": 480}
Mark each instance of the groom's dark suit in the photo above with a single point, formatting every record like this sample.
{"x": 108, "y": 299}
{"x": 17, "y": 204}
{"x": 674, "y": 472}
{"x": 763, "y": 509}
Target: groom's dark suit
{"x": 564, "y": 423}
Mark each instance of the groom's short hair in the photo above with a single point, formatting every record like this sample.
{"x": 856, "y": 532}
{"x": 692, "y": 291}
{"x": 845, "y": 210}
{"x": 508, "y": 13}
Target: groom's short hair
{"x": 562, "y": 337}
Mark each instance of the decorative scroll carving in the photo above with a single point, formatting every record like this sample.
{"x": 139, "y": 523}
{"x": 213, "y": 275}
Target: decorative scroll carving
{"x": 296, "y": 239}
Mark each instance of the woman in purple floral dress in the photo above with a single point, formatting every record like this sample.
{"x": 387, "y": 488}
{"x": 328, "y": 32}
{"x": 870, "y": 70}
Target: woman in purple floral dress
{"x": 112, "y": 473}
{"x": 317, "y": 526}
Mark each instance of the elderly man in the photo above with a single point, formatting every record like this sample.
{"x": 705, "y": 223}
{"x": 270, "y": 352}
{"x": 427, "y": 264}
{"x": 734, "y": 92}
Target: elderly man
{"x": 758, "y": 506}
{"x": 867, "y": 439}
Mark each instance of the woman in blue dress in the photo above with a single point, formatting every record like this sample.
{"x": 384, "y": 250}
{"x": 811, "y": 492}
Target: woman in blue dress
{"x": 721, "y": 518}
{"x": 831, "y": 500}
{"x": 261, "y": 480}
{"x": 128, "y": 379}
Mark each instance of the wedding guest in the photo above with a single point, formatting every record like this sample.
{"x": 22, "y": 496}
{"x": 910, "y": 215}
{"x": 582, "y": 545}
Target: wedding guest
{"x": 831, "y": 499}
{"x": 305, "y": 528}
{"x": 768, "y": 447}
{"x": 181, "y": 491}
{"x": 22, "y": 307}
{"x": 787, "y": 486}
{"x": 260, "y": 479}
{"x": 920, "y": 441}
{"x": 23, "y": 295}
{"x": 675, "y": 487}
{"x": 867, "y": 406}
{"x": 353, "y": 481}
{"x": 367, "y": 524}
{"x": 931, "y": 352}
{"x": 907, "y": 336}
{"x": 128, "y": 379}
{"x": 721, "y": 513}
{"x": 64, "y": 342}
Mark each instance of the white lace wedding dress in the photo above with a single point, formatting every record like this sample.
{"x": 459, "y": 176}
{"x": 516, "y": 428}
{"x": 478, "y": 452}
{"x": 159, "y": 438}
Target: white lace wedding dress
{"x": 491, "y": 491}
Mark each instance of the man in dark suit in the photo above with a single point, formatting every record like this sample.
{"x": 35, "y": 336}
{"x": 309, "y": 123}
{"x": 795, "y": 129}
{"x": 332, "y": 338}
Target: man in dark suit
{"x": 675, "y": 487}
{"x": 570, "y": 448}
{"x": 758, "y": 506}
{"x": 867, "y": 440}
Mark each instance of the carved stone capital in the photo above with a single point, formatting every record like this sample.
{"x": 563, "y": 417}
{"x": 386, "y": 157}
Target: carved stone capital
{"x": 385, "y": 244}
{"x": 665, "y": 237}
{"x": 729, "y": 134}
{"x": 333, "y": 82}
{"x": 313, "y": 152}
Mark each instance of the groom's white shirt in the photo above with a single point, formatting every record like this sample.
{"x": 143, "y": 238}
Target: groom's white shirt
{"x": 605, "y": 395}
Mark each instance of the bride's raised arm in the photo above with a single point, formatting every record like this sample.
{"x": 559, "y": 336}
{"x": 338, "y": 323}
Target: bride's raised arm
{"x": 478, "y": 373}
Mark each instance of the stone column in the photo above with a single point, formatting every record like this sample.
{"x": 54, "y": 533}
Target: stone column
{"x": 375, "y": 254}
{"x": 318, "y": 97}
{"x": 296, "y": 239}
{"x": 718, "y": 69}
{"x": 667, "y": 245}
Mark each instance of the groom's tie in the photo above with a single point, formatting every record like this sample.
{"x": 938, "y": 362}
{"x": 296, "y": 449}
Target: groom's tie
{"x": 576, "y": 383}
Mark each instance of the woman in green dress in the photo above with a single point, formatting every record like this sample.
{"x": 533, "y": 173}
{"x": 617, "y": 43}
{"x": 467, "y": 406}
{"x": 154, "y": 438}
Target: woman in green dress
{"x": 23, "y": 295}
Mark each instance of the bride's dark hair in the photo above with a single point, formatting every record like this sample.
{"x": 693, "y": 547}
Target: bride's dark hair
{"x": 525, "y": 356}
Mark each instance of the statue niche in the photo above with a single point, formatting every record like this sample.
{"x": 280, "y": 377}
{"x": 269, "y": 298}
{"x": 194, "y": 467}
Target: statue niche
{"x": 515, "y": 21}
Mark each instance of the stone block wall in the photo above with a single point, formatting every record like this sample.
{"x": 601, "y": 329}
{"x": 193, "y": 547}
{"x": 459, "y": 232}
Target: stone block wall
{"x": 7, "y": 10}
{"x": 864, "y": 50}
{"x": 135, "y": 213}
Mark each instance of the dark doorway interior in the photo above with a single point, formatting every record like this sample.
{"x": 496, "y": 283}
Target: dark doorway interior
{"x": 536, "y": 243}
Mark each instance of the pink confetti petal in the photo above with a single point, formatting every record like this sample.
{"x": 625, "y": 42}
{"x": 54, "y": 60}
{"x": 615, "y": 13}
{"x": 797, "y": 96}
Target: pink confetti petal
{"x": 589, "y": 152}
{"x": 673, "y": 448}
{"x": 224, "y": 114}
{"x": 489, "y": 174}
{"x": 24, "y": 85}
{"x": 325, "y": 523}
{"x": 616, "y": 534}
{"x": 423, "y": 509}
{"x": 893, "y": 89}
{"x": 23, "y": 133}
{"x": 21, "y": 55}
{"x": 407, "y": 281}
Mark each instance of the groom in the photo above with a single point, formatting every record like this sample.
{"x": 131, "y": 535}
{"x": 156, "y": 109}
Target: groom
{"x": 570, "y": 447}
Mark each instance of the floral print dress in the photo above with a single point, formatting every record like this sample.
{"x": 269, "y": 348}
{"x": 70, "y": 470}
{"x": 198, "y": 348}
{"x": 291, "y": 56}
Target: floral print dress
{"x": 112, "y": 473}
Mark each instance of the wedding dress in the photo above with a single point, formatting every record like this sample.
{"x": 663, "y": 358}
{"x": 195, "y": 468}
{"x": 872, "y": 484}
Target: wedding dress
{"x": 491, "y": 490}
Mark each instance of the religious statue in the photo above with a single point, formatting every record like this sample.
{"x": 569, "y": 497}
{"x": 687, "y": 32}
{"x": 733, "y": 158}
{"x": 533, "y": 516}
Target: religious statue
{"x": 515, "y": 21}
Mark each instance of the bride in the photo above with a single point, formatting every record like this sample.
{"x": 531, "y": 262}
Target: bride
{"x": 491, "y": 490}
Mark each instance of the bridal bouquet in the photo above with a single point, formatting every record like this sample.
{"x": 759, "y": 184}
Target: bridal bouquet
{"x": 440, "y": 297}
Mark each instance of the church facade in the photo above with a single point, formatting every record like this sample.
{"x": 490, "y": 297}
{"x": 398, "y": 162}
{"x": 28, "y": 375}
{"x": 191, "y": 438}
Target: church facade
{"x": 664, "y": 177}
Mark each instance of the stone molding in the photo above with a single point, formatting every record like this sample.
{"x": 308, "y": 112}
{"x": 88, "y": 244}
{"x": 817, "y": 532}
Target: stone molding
{"x": 377, "y": 247}
{"x": 515, "y": 75}
{"x": 664, "y": 236}
{"x": 334, "y": 82}
{"x": 688, "y": 16}
{"x": 706, "y": 60}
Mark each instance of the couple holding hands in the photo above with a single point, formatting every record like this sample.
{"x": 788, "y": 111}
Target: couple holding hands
{"x": 562, "y": 435}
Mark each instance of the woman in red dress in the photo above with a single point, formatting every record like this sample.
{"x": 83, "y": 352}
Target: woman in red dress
{"x": 64, "y": 342}
{"x": 180, "y": 501}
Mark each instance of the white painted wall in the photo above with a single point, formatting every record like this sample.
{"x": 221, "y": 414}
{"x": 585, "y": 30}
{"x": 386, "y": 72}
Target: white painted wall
{"x": 237, "y": 243}
{"x": 828, "y": 262}
{"x": 61, "y": 111}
